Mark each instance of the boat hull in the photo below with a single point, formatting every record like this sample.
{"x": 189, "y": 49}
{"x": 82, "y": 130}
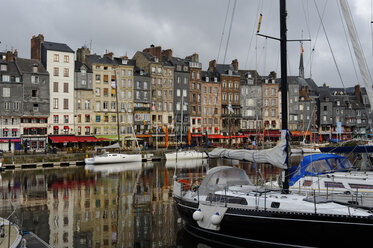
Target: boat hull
{"x": 185, "y": 155}
{"x": 273, "y": 228}
{"x": 121, "y": 158}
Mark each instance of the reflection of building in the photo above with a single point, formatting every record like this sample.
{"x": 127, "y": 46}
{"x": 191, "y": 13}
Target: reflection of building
{"x": 61, "y": 215}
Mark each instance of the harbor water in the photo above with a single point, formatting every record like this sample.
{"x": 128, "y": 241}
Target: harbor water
{"x": 122, "y": 205}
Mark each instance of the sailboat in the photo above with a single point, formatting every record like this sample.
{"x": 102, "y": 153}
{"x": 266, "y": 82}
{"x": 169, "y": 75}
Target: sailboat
{"x": 110, "y": 158}
{"x": 189, "y": 154}
{"x": 229, "y": 208}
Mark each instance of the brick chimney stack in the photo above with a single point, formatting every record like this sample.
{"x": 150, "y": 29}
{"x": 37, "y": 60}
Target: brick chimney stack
{"x": 110, "y": 55}
{"x": 9, "y": 56}
{"x": 235, "y": 64}
{"x": 156, "y": 51}
{"x": 212, "y": 65}
{"x": 358, "y": 93}
{"x": 194, "y": 57}
{"x": 36, "y": 42}
{"x": 167, "y": 53}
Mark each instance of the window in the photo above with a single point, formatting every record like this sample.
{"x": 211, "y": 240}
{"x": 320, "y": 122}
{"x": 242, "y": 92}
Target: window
{"x": 6, "y": 78}
{"x": 98, "y": 105}
{"x": 84, "y": 82}
{"x": 98, "y": 118}
{"x": 56, "y": 58}
{"x": 65, "y": 119}
{"x": 55, "y": 86}
{"x": 3, "y": 67}
{"x": 35, "y": 107}
{"x": 87, "y": 104}
{"x": 55, "y": 103}
{"x": 66, "y": 58}
{"x": 65, "y": 103}
{"x": 66, "y": 87}
{"x": 55, "y": 72}
{"x": 6, "y": 92}
{"x": 7, "y": 105}
{"x": 105, "y": 105}
{"x": 66, "y": 72}
{"x": 34, "y": 79}
{"x": 34, "y": 93}
{"x": 98, "y": 77}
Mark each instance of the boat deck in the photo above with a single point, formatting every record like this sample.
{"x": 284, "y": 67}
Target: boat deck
{"x": 14, "y": 235}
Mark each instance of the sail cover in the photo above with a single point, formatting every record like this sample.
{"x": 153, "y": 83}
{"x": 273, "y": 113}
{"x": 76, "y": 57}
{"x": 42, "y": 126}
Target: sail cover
{"x": 317, "y": 164}
{"x": 276, "y": 156}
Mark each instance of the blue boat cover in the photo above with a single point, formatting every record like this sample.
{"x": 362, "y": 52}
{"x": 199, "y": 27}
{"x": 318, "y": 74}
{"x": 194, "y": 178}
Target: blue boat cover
{"x": 320, "y": 163}
{"x": 347, "y": 149}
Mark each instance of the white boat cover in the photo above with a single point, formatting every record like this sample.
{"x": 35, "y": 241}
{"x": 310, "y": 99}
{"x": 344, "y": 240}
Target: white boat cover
{"x": 276, "y": 156}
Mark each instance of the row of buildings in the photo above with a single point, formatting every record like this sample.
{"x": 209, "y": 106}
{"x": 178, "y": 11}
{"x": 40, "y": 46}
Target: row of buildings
{"x": 58, "y": 94}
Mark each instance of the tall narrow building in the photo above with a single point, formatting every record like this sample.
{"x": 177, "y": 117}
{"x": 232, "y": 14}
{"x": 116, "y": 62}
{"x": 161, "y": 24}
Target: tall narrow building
{"x": 58, "y": 59}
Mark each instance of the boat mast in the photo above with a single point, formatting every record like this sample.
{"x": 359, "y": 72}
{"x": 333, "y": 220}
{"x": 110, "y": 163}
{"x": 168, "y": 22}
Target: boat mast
{"x": 117, "y": 106}
{"x": 284, "y": 88}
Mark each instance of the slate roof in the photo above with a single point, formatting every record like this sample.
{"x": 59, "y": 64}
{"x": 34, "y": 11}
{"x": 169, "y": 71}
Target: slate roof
{"x": 223, "y": 69}
{"x": 54, "y": 46}
{"x": 97, "y": 59}
{"x": 79, "y": 64}
{"x": 27, "y": 65}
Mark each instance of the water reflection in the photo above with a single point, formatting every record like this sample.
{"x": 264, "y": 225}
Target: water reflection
{"x": 105, "y": 206}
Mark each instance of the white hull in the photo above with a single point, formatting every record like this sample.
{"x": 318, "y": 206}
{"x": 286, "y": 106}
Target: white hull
{"x": 185, "y": 155}
{"x": 353, "y": 186}
{"x": 118, "y": 167}
{"x": 111, "y": 158}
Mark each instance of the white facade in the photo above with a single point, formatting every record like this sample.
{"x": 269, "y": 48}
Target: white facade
{"x": 60, "y": 66}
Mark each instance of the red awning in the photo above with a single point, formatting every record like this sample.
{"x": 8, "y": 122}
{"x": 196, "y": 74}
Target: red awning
{"x": 55, "y": 127}
{"x": 216, "y": 128}
{"x": 86, "y": 139}
{"x": 63, "y": 139}
{"x": 216, "y": 136}
{"x": 196, "y": 135}
{"x": 66, "y": 127}
{"x": 6, "y": 129}
{"x": 14, "y": 130}
{"x": 11, "y": 140}
{"x": 103, "y": 139}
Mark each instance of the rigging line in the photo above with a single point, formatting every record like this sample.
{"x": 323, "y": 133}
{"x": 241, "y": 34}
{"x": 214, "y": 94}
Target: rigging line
{"x": 222, "y": 33}
{"x": 265, "y": 55}
{"x": 371, "y": 20}
{"x": 358, "y": 39}
{"x": 317, "y": 35}
{"x": 330, "y": 47}
{"x": 348, "y": 44}
{"x": 307, "y": 19}
{"x": 230, "y": 29}
{"x": 252, "y": 35}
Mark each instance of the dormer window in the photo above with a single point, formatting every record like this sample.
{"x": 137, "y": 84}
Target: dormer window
{"x": 207, "y": 79}
{"x": 84, "y": 72}
{"x": 141, "y": 73}
{"x": 215, "y": 79}
{"x": 124, "y": 61}
{"x": 229, "y": 72}
{"x": 35, "y": 68}
{"x": 338, "y": 103}
{"x": 3, "y": 67}
{"x": 156, "y": 60}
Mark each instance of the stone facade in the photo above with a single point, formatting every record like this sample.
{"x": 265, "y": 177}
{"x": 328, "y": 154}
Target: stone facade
{"x": 211, "y": 103}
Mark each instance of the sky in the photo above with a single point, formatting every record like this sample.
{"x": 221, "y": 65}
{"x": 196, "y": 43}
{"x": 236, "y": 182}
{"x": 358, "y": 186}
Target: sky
{"x": 196, "y": 26}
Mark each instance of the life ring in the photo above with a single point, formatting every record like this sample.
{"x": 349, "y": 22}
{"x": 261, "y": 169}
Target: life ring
{"x": 185, "y": 183}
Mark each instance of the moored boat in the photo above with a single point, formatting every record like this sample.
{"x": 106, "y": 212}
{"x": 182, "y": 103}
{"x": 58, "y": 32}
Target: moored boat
{"x": 110, "y": 158}
{"x": 192, "y": 154}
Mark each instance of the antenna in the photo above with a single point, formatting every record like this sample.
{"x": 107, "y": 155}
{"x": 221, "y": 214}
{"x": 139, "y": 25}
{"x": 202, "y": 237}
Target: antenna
{"x": 90, "y": 45}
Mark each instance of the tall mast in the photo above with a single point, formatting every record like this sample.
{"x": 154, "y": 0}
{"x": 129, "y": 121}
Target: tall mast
{"x": 117, "y": 106}
{"x": 284, "y": 86}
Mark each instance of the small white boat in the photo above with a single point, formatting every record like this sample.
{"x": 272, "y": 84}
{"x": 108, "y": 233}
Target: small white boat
{"x": 111, "y": 158}
{"x": 185, "y": 155}
{"x": 14, "y": 237}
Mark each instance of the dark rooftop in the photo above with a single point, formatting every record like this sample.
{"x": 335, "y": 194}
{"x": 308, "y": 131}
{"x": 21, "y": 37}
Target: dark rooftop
{"x": 61, "y": 47}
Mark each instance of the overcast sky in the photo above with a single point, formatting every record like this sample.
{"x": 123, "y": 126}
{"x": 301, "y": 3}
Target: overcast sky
{"x": 190, "y": 26}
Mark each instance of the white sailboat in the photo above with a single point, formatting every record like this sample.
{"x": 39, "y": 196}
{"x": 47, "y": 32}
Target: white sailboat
{"x": 229, "y": 208}
{"x": 110, "y": 158}
{"x": 184, "y": 154}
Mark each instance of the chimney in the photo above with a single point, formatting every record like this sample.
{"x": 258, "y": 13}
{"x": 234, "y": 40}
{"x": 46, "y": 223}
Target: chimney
{"x": 235, "y": 64}
{"x": 9, "y": 56}
{"x": 81, "y": 54}
{"x": 110, "y": 55}
{"x": 15, "y": 53}
{"x": 167, "y": 53}
{"x": 358, "y": 93}
{"x": 212, "y": 65}
{"x": 156, "y": 51}
{"x": 36, "y": 42}
{"x": 273, "y": 75}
